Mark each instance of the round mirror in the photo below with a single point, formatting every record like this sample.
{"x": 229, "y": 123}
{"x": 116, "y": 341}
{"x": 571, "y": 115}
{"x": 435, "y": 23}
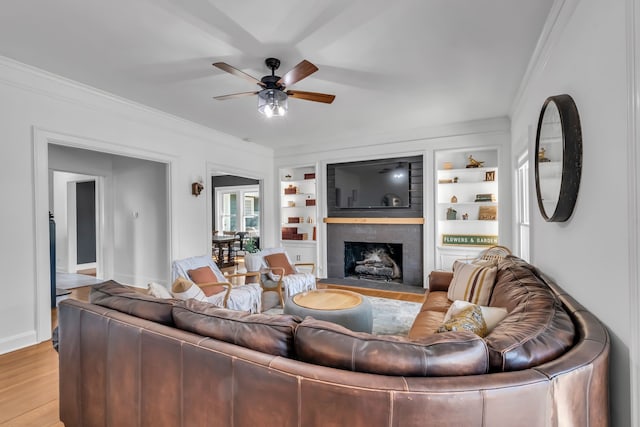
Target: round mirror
{"x": 558, "y": 163}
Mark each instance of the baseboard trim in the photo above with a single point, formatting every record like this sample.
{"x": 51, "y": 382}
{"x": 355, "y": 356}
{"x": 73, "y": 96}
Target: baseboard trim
{"x": 17, "y": 342}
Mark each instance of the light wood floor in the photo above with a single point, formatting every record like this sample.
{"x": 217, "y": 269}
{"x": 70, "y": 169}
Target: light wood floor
{"x": 29, "y": 377}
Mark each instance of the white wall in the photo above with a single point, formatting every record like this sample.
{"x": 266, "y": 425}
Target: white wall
{"x": 585, "y": 56}
{"x": 36, "y": 108}
{"x": 140, "y": 222}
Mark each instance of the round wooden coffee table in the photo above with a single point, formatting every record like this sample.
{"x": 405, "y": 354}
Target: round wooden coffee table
{"x": 345, "y": 308}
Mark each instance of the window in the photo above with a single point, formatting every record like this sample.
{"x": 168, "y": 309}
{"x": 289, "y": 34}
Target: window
{"x": 238, "y": 209}
{"x": 522, "y": 208}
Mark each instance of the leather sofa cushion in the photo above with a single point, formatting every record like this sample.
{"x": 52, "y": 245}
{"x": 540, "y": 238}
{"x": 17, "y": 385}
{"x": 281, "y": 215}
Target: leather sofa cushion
{"x": 426, "y": 323}
{"x": 265, "y": 333}
{"x": 536, "y": 330}
{"x": 446, "y": 354}
{"x": 113, "y": 295}
{"x": 436, "y": 301}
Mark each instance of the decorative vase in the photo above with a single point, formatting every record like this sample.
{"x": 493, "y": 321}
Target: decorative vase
{"x": 252, "y": 262}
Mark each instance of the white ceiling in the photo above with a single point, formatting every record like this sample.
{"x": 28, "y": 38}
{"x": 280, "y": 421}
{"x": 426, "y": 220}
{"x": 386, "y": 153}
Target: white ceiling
{"x": 393, "y": 65}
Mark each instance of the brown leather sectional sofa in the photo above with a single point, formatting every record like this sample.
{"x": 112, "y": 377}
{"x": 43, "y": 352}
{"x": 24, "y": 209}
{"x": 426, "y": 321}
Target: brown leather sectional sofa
{"x": 128, "y": 359}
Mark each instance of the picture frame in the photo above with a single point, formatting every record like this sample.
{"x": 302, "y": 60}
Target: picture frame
{"x": 469, "y": 239}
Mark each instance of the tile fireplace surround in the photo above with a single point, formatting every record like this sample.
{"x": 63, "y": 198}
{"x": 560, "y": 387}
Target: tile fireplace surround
{"x": 409, "y": 235}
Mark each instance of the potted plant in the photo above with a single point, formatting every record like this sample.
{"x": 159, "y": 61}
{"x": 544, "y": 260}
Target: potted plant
{"x": 252, "y": 260}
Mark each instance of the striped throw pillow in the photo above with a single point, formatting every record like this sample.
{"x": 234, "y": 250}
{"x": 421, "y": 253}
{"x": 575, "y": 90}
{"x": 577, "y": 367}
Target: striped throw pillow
{"x": 472, "y": 283}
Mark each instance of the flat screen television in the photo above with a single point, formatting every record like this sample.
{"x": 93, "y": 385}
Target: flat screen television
{"x": 372, "y": 184}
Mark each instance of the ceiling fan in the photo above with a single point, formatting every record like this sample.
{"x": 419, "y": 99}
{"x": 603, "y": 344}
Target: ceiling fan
{"x": 272, "y": 97}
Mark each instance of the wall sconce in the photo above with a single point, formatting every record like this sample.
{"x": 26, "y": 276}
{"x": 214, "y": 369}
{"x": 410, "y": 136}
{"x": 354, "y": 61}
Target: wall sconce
{"x": 196, "y": 188}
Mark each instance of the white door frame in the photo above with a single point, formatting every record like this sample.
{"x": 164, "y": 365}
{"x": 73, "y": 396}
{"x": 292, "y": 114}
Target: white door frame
{"x": 633, "y": 195}
{"x": 41, "y": 140}
{"x": 522, "y": 206}
{"x": 215, "y": 169}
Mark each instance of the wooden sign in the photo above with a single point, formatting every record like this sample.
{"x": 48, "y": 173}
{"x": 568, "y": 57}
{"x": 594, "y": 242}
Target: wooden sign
{"x": 488, "y": 213}
{"x": 469, "y": 240}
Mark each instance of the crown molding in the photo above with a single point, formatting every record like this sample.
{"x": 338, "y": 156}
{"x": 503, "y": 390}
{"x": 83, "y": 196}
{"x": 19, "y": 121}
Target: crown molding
{"x": 29, "y": 78}
{"x": 559, "y": 16}
{"x": 496, "y": 125}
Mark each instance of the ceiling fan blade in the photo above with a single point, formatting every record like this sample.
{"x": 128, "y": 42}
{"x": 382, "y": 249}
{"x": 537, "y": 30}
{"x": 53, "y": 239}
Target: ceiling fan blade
{"x": 299, "y": 72}
{"x": 311, "y": 96}
{"x": 232, "y": 70}
{"x": 234, "y": 95}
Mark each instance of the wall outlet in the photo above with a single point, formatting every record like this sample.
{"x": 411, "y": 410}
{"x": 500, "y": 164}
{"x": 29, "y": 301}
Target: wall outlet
{"x": 297, "y": 257}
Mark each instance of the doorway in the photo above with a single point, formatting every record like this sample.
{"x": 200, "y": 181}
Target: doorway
{"x": 76, "y": 200}
{"x": 131, "y": 202}
{"x": 133, "y": 189}
{"x": 236, "y": 207}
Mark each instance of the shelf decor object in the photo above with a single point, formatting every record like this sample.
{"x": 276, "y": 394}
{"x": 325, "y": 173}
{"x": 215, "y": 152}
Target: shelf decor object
{"x": 469, "y": 239}
{"x": 558, "y": 136}
{"x": 290, "y": 189}
{"x": 487, "y": 197}
{"x": 488, "y": 213}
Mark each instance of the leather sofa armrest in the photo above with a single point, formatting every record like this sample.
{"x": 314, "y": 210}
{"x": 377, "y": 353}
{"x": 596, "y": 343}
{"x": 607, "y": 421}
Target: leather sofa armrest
{"x": 440, "y": 280}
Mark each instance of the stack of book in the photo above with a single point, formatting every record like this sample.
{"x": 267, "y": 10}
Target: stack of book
{"x": 487, "y": 197}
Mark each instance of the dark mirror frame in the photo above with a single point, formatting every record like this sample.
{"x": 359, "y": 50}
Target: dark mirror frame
{"x": 571, "y": 158}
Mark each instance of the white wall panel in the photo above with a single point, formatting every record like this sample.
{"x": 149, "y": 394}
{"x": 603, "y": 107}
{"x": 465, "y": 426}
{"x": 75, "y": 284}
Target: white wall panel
{"x": 585, "y": 56}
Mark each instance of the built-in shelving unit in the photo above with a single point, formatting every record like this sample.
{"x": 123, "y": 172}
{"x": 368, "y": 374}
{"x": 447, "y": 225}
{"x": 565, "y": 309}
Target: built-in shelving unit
{"x": 466, "y": 205}
{"x": 298, "y": 212}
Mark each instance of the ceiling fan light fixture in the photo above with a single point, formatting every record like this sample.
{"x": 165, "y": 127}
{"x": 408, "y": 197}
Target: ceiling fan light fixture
{"x": 273, "y": 102}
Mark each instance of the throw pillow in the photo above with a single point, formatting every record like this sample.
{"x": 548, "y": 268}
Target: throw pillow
{"x": 186, "y": 289}
{"x": 159, "y": 291}
{"x": 469, "y": 319}
{"x": 279, "y": 260}
{"x": 492, "y": 315}
{"x": 202, "y": 275}
{"x": 473, "y": 283}
{"x": 213, "y": 289}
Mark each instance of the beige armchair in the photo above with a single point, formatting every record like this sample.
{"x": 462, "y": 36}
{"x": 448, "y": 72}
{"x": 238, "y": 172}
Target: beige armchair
{"x": 231, "y": 291}
{"x": 278, "y": 274}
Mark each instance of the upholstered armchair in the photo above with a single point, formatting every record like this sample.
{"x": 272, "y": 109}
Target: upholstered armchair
{"x": 231, "y": 291}
{"x": 279, "y": 274}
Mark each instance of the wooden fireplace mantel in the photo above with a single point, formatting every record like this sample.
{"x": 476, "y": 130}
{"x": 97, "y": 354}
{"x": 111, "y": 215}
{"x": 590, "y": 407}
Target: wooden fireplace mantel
{"x": 334, "y": 220}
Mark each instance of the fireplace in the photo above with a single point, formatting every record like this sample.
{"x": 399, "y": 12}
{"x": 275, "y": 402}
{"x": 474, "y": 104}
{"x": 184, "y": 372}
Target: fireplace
{"x": 401, "y": 242}
{"x": 373, "y": 261}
